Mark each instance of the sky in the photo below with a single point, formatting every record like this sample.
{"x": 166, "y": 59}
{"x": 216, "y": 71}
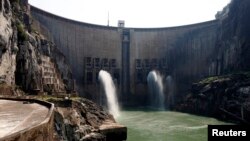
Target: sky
{"x": 135, "y": 13}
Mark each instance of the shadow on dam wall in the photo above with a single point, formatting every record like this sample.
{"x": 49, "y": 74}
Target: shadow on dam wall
{"x": 129, "y": 54}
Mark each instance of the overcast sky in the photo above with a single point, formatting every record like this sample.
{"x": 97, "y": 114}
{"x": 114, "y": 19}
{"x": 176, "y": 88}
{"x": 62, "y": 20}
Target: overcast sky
{"x": 136, "y": 13}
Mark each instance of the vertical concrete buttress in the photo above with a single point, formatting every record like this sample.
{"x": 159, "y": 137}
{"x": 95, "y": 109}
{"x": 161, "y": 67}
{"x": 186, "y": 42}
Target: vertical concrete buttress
{"x": 125, "y": 64}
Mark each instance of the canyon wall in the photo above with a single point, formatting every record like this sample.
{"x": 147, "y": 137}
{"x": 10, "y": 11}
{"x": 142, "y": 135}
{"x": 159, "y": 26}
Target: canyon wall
{"x": 8, "y": 44}
{"x": 234, "y": 37}
{"x": 27, "y": 58}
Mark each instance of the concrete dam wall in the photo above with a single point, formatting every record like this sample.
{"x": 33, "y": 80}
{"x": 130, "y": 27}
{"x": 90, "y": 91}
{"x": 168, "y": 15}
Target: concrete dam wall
{"x": 129, "y": 54}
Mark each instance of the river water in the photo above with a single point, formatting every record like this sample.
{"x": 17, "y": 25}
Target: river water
{"x": 149, "y": 125}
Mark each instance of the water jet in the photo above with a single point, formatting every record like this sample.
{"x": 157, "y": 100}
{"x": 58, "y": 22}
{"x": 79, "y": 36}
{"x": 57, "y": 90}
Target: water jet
{"x": 155, "y": 85}
{"x": 110, "y": 92}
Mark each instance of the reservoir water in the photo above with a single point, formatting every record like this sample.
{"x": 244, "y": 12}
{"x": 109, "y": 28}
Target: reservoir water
{"x": 149, "y": 125}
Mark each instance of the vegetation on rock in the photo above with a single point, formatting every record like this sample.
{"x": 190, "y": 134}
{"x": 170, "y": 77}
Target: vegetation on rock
{"x": 21, "y": 33}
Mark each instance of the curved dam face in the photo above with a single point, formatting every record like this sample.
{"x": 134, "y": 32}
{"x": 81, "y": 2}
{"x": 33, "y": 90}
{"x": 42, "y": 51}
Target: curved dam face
{"x": 129, "y": 54}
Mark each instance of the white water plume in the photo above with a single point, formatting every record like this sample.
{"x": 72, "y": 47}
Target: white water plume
{"x": 110, "y": 92}
{"x": 155, "y": 85}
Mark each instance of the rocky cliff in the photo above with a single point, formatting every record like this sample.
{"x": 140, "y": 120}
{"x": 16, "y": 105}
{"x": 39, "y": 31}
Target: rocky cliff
{"x": 81, "y": 119}
{"x": 233, "y": 45}
{"x": 28, "y": 58}
{"x": 225, "y": 97}
{"x": 8, "y": 43}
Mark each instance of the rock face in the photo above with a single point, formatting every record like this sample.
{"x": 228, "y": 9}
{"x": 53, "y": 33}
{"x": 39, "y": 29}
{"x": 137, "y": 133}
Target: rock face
{"x": 84, "y": 120}
{"x": 232, "y": 49}
{"x": 8, "y": 44}
{"x": 225, "y": 97}
{"x": 27, "y": 58}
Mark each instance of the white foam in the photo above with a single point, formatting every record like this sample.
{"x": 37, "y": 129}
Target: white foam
{"x": 110, "y": 92}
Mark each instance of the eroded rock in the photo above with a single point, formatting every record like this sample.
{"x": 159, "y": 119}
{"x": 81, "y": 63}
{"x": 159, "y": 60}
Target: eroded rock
{"x": 84, "y": 120}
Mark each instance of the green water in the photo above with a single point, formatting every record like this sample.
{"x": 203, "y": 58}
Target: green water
{"x": 165, "y": 126}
